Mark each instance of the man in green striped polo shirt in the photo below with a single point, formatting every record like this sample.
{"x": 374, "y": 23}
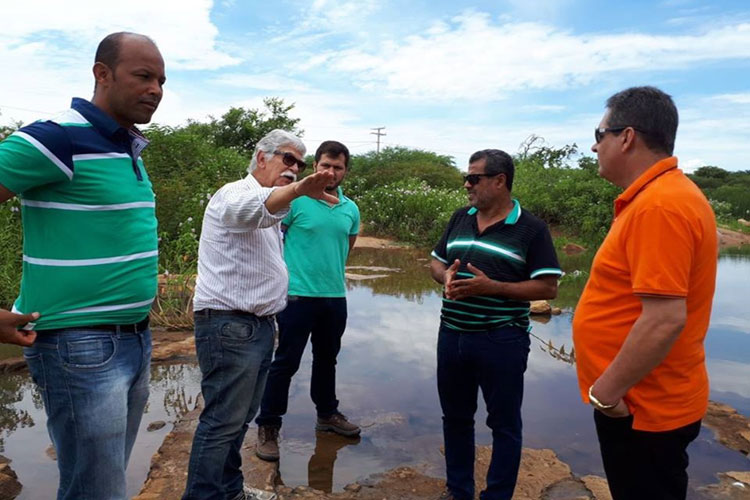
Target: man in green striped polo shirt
{"x": 493, "y": 258}
{"x": 89, "y": 265}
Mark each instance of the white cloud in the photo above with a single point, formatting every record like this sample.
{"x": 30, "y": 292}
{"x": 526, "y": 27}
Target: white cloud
{"x": 741, "y": 98}
{"x": 261, "y": 81}
{"x": 480, "y": 60}
{"x": 182, "y": 28}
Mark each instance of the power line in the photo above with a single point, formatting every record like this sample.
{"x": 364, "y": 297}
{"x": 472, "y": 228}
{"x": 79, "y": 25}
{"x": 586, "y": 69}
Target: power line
{"x": 379, "y": 132}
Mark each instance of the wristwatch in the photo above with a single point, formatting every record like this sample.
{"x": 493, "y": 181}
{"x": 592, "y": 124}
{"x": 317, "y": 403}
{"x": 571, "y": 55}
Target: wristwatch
{"x": 598, "y": 404}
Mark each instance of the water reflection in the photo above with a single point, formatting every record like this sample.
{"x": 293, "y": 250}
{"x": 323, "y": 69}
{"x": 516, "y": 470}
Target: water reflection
{"x": 13, "y": 416}
{"x": 320, "y": 467}
{"x": 24, "y": 438}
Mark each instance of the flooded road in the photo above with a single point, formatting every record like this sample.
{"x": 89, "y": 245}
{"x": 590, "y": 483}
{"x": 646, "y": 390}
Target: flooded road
{"x": 386, "y": 382}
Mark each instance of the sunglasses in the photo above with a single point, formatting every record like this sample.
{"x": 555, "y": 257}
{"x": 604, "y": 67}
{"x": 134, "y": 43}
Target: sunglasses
{"x": 599, "y": 132}
{"x": 290, "y": 160}
{"x": 472, "y": 179}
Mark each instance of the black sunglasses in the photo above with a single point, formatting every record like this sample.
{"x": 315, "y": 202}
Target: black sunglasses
{"x": 599, "y": 132}
{"x": 472, "y": 179}
{"x": 290, "y": 160}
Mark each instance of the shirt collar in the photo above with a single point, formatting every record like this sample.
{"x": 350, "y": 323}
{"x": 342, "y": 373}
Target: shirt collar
{"x": 513, "y": 216}
{"x": 654, "y": 171}
{"x": 105, "y": 124}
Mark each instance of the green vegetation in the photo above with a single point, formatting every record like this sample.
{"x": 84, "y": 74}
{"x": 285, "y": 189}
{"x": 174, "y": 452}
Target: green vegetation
{"x": 406, "y": 194}
{"x": 729, "y": 193}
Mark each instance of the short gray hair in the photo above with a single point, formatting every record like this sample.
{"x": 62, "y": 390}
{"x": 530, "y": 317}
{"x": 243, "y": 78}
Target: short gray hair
{"x": 273, "y": 141}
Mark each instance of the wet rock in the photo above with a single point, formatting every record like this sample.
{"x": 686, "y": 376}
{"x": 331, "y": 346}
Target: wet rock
{"x": 172, "y": 346}
{"x": 383, "y": 419}
{"x": 555, "y": 311}
{"x": 12, "y": 365}
{"x": 353, "y": 487}
{"x": 731, "y": 486}
{"x": 540, "y": 307}
{"x": 362, "y": 277}
{"x": 51, "y": 452}
{"x": 567, "y": 489}
{"x": 731, "y": 429}
{"x": 375, "y": 269}
{"x": 9, "y": 486}
{"x": 155, "y": 426}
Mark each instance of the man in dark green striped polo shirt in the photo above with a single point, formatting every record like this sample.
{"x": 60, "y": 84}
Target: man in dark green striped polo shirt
{"x": 89, "y": 265}
{"x": 493, "y": 258}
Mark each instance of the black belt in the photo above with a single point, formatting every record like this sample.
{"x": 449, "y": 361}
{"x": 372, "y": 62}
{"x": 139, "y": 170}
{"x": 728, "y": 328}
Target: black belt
{"x": 139, "y": 327}
{"x": 207, "y": 313}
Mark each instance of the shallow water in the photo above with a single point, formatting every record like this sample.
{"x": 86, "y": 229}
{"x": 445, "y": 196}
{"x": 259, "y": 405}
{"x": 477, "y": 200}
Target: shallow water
{"x": 386, "y": 381}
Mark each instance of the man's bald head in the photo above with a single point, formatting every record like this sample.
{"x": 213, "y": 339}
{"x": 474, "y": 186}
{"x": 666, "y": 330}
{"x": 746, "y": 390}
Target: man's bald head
{"x": 108, "y": 51}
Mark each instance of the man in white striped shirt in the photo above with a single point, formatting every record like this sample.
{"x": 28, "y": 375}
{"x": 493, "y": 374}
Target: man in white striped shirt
{"x": 242, "y": 283}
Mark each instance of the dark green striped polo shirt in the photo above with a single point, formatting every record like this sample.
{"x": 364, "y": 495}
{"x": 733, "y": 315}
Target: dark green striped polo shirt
{"x": 518, "y": 248}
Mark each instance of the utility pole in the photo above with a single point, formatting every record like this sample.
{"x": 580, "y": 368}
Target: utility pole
{"x": 378, "y": 132}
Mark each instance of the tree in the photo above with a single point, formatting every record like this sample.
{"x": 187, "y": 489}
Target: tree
{"x": 241, "y": 129}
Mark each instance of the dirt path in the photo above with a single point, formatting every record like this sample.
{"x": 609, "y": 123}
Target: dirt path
{"x": 373, "y": 242}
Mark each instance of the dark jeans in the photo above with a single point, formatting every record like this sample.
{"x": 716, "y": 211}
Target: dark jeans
{"x": 643, "y": 465}
{"x": 494, "y": 361}
{"x": 323, "y": 319}
{"x": 234, "y": 353}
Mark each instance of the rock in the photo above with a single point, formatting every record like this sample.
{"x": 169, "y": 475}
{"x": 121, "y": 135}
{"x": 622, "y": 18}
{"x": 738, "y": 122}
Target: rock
{"x": 9, "y": 486}
{"x": 353, "y": 487}
{"x": 567, "y": 489}
{"x": 362, "y": 277}
{"x": 540, "y": 307}
{"x": 573, "y": 249}
{"x": 728, "y": 487}
{"x": 598, "y": 486}
{"x": 743, "y": 477}
{"x": 12, "y": 365}
{"x": 731, "y": 429}
{"x": 744, "y": 222}
{"x": 155, "y": 426}
{"x": 50, "y": 452}
{"x": 555, "y": 311}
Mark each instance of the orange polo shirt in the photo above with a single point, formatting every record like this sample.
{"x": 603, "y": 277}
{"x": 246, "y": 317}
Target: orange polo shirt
{"x": 662, "y": 242}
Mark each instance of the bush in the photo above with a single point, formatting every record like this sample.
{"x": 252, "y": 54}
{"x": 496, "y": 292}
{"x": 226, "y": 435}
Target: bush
{"x": 409, "y": 210}
{"x": 10, "y": 252}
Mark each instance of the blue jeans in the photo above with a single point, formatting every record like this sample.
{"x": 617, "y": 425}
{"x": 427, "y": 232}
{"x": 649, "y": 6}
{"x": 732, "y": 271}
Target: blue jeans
{"x": 234, "y": 353}
{"x": 323, "y": 319}
{"x": 94, "y": 385}
{"x": 494, "y": 361}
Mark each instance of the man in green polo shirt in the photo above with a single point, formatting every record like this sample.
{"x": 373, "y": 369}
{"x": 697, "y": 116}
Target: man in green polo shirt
{"x": 319, "y": 236}
{"x": 90, "y": 264}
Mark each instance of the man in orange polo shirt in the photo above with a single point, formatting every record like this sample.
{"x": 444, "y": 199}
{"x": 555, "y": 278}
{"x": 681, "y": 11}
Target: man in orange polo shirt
{"x": 640, "y": 323}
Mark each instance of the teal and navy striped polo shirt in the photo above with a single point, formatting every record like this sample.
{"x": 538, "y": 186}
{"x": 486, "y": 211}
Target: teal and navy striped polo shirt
{"x": 89, "y": 225}
{"x": 518, "y": 248}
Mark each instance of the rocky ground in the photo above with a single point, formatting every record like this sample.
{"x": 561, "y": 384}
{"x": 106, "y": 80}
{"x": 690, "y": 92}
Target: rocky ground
{"x": 542, "y": 475}
{"x": 729, "y": 238}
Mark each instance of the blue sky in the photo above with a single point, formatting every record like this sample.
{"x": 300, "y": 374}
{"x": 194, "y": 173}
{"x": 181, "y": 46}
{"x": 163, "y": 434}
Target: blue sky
{"x": 450, "y": 77}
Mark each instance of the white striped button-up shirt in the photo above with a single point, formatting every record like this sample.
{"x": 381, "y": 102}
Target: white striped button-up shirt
{"x": 241, "y": 253}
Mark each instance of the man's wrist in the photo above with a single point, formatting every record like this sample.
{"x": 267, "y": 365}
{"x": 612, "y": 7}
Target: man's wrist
{"x": 600, "y": 405}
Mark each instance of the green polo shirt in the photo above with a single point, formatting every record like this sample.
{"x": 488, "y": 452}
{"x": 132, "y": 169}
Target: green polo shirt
{"x": 317, "y": 244}
{"x": 89, "y": 227}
